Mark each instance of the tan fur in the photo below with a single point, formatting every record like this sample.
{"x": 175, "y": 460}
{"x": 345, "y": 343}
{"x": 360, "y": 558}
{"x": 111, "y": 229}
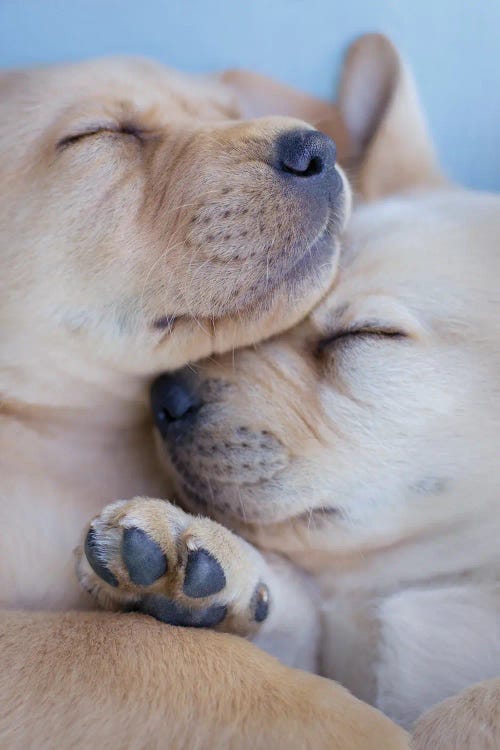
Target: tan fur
{"x": 103, "y": 241}
{"x": 369, "y": 459}
{"x": 468, "y": 721}
{"x": 117, "y": 681}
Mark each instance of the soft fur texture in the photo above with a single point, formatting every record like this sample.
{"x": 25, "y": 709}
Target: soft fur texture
{"x": 362, "y": 445}
{"x": 128, "y": 195}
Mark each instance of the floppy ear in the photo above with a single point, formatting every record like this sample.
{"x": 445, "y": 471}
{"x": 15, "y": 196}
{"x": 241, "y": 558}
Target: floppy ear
{"x": 390, "y": 148}
{"x": 260, "y": 96}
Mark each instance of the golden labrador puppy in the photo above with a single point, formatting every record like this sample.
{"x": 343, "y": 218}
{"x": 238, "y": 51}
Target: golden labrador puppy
{"x": 145, "y": 221}
{"x": 361, "y": 446}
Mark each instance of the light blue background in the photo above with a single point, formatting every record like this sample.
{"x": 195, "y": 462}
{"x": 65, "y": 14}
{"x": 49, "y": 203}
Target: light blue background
{"x": 452, "y": 45}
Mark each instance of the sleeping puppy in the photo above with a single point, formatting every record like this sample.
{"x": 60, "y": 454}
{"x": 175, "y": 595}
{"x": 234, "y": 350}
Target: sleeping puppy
{"x": 145, "y": 221}
{"x": 361, "y": 446}
{"x": 143, "y": 225}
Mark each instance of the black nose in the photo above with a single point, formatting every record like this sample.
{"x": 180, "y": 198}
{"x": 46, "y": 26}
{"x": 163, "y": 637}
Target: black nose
{"x": 305, "y": 154}
{"x": 174, "y": 398}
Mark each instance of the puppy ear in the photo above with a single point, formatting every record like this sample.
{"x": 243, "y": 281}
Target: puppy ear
{"x": 390, "y": 149}
{"x": 259, "y": 96}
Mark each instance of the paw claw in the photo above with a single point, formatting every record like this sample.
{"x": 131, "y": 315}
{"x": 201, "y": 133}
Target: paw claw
{"x": 92, "y": 555}
{"x": 204, "y": 575}
{"x": 143, "y": 557}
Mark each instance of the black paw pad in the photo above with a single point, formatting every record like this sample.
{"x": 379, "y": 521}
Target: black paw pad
{"x": 143, "y": 557}
{"x": 260, "y": 603}
{"x": 92, "y": 555}
{"x": 170, "y": 611}
{"x": 204, "y": 575}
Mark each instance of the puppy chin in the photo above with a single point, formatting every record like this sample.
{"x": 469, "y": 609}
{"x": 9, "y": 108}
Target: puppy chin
{"x": 235, "y": 506}
{"x": 302, "y": 281}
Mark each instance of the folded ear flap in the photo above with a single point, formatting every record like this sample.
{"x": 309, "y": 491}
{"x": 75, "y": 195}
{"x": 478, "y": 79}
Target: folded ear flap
{"x": 390, "y": 149}
{"x": 259, "y": 96}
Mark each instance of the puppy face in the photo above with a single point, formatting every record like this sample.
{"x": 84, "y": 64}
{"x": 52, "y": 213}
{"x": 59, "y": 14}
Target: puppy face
{"x": 375, "y": 417}
{"x": 142, "y": 216}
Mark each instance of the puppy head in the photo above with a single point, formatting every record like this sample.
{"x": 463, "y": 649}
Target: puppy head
{"x": 376, "y": 416}
{"x": 145, "y": 220}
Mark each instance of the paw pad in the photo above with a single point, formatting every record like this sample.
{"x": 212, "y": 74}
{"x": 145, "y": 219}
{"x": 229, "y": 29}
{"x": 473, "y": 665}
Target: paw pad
{"x": 204, "y": 575}
{"x": 143, "y": 557}
{"x": 172, "y": 612}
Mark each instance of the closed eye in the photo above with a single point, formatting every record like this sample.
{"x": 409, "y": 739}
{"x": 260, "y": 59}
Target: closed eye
{"x": 100, "y": 129}
{"x": 359, "y": 332}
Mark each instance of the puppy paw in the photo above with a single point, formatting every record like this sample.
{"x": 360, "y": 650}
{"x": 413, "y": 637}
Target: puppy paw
{"x": 149, "y": 556}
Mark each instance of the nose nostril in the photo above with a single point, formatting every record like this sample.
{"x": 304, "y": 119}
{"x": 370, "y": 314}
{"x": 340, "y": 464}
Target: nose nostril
{"x": 166, "y": 414}
{"x": 315, "y": 166}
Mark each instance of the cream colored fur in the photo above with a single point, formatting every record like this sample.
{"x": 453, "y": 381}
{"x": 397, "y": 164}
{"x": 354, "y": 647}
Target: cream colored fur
{"x": 108, "y": 275}
{"x": 383, "y": 411}
{"x": 399, "y": 436}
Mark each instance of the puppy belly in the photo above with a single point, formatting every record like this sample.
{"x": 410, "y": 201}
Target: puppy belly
{"x": 350, "y": 635}
{"x": 408, "y": 651}
{"x": 435, "y": 643}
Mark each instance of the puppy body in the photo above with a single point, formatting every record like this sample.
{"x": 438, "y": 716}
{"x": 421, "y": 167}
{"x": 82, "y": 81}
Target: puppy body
{"x": 409, "y": 572}
{"x": 411, "y": 599}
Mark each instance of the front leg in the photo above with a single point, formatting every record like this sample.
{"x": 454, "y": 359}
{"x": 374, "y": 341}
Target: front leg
{"x": 150, "y": 556}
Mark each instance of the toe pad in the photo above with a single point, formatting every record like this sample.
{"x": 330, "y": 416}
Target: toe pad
{"x": 204, "y": 575}
{"x": 143, "y": 557}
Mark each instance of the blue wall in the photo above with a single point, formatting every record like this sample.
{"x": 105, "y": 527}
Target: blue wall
{"x": 453, "y": 46}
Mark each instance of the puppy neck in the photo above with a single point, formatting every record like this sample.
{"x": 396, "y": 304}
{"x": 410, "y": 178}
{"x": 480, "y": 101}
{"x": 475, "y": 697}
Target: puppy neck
{"x": 102, "y": 415}
{"x": 35, "y": 392}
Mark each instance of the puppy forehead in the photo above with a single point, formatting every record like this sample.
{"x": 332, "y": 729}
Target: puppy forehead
{"x": 435, "y": 254}
{"x": 147, "y": 83}
{"x": 112, "y": 86}
{"x": 424, "y": 232}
